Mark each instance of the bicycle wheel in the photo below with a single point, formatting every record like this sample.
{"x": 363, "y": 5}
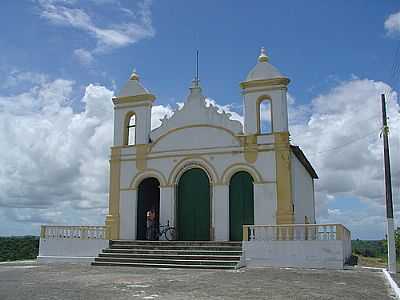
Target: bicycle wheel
{"x": 170, "y": 234}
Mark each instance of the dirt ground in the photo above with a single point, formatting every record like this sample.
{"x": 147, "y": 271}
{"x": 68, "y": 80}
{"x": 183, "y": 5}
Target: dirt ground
{"x": 29, "y": 280}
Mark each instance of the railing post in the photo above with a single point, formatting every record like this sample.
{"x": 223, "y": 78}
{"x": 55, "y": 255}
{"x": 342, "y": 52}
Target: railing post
{"x": 245, "y": 233}
{"x": 43, "y": 231}
{"x": 84, "y": 233}
{"x": 339, "y": 232}
{"x": 252, "y": 233}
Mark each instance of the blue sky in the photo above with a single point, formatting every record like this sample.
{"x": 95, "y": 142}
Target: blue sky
{"x": 313, "y": 44}
{"x": 338, "y": 55}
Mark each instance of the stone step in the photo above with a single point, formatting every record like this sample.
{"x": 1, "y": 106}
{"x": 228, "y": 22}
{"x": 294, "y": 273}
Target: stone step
{"x": 145, "y": 265}
{"x": 216, "y": 256}
{"x": 177, "y": 243}
{"x": 171, "y": 254}
{"x": 167, "y": 261}
{"x": 174, "y": 252}
{"x": 172, "y": 247}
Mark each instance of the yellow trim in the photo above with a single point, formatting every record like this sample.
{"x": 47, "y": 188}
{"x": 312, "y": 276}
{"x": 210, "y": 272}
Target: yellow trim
{"x": 112, "y": 219}
{"x": 193, "y": 126}
{"x": 153, "y": 156}
{"x": 285, "y": 213}
{"x": 141, "y": 156}
{"x": 237, "y": 167}
{"x": 42, "y": 231}
{"x": 129, "y": 99}
{"x": 146, "y": 174}
{"x": 265, "y": 82}
{"x": 138, "y": 104}
{"x": 250, "y": 148}
{"x": 193, "y": 160}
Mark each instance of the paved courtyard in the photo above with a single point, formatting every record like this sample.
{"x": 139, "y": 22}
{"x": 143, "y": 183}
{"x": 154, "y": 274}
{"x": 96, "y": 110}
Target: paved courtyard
{"x": 28, "y": 280}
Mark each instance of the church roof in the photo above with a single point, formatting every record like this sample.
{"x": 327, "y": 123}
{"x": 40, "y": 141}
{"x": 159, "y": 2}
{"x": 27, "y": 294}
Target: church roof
{"x": 196, "y": 112}
{"x": 133, "y": 87}
{"x": 304, "y": 161}
{"x": 263, "y": 69}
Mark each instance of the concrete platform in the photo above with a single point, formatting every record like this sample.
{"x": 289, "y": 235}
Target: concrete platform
{"x": 74, "y": 281}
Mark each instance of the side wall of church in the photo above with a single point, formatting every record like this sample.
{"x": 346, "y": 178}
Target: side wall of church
{"x": 219, "y": 163}
{"x": 303, "y": 192}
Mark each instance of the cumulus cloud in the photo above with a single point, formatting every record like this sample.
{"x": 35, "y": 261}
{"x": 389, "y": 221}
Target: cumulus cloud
{"x": 83, "y": 56}
{"x": 132, "y": 27}
{"x": 228, "y": 108}
{"x": 55, "y": 159}
{"x": 392, "y": 23}
{"x": 341, "y": 139}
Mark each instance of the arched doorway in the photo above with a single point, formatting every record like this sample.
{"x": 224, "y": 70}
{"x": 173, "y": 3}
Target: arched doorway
{"x": 148, "y": 199}
{"x": 193, "y": 206}
{"x": 241, "y": 204}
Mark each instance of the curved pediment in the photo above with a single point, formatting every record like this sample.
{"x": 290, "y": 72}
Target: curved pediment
{"x": 195, "y": 137}
{"x": 195, "y": 112}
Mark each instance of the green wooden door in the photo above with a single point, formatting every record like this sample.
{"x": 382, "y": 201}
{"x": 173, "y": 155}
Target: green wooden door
{"x": 193, "y": 211}
{"x": 241, "y": 204}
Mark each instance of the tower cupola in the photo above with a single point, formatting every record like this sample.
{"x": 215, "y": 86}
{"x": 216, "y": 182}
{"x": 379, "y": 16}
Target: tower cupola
{"x": 265, "y": 98}
{"x": 132, "y": 113}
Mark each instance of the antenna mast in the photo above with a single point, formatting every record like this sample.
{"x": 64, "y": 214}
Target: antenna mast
{"x": 197, "y": 67}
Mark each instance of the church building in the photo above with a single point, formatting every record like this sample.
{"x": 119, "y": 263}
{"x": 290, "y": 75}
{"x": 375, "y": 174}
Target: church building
{"x": 204, "y": 173}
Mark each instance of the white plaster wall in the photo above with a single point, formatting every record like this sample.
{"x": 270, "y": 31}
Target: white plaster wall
{"x": 279, "y": 109}
{"x": 167, "y": 206}
{"x": 128, "y": 172}
{"x": 300, "y": 254}
{"x": 221, "y": 212}
{"x": 265, "y": 203}
{"x": 265, "y": 163}
{"x": 303, "y": 192}
{"x": 264, "y": 194}
{"x": 220, "y": 158}
{"x": 143, "y": 123}
{"x": 195, "y": 138}
{"x": 127, "y": 213}
{"x": 70, "y": 250}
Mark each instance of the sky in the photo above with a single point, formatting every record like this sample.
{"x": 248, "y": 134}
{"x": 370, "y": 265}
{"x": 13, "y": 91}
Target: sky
{"x": 62, "y": 60}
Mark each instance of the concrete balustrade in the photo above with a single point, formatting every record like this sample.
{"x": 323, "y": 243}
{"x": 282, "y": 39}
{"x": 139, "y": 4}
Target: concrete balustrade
{"x": 71, "y": 243}
{"x": 296, "y": 245}
{"x": 73, "y": 232}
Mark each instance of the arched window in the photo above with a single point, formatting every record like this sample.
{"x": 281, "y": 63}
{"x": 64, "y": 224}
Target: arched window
{"x": 265, "y": 117}
{"x": 131, "y": 130}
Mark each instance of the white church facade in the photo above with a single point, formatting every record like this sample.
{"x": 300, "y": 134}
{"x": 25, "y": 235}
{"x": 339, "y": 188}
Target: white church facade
{"x": 236, "y": 194}
{"x": 204, "y": 173}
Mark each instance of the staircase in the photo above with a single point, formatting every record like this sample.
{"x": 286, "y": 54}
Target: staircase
{"x": 174, "y": 254}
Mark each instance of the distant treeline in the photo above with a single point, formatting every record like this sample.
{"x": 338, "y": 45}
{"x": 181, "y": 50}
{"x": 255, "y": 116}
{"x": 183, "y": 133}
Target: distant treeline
{"x": 369, "y": 248}
{"x": 19, "y": 248}
{"x": 27, "y": 247}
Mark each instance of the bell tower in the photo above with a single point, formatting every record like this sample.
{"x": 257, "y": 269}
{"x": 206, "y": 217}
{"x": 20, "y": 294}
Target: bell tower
{"x": 132, "y": 113}
{"x": 265, "y": 84}
{"x": 132, "y": 126}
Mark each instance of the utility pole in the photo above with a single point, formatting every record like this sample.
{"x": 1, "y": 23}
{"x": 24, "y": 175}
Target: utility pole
{"x": 388, "y": 189}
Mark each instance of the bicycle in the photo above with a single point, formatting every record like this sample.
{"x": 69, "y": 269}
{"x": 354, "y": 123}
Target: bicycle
{"x": 168, "y": 232}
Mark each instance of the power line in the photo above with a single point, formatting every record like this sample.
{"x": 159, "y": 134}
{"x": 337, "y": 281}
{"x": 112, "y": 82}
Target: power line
{"x": 345, "y": 144}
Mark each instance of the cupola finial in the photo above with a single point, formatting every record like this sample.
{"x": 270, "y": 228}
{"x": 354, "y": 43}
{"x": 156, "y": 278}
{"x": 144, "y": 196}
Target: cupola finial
{"x": 134, "y": 75}
{"x": 263, "y": 56}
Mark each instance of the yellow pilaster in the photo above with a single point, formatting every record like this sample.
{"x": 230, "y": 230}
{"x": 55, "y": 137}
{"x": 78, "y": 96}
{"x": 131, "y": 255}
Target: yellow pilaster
{"x": 250, "y": 148}
{"x": 141, "y": 154}
{"x": 112, "y": 219}
{"x": 283, "y": 179}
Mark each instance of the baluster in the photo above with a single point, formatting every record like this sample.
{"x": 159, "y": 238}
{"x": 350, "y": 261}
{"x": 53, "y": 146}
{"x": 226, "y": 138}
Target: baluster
{"x": 252, "y": 233}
